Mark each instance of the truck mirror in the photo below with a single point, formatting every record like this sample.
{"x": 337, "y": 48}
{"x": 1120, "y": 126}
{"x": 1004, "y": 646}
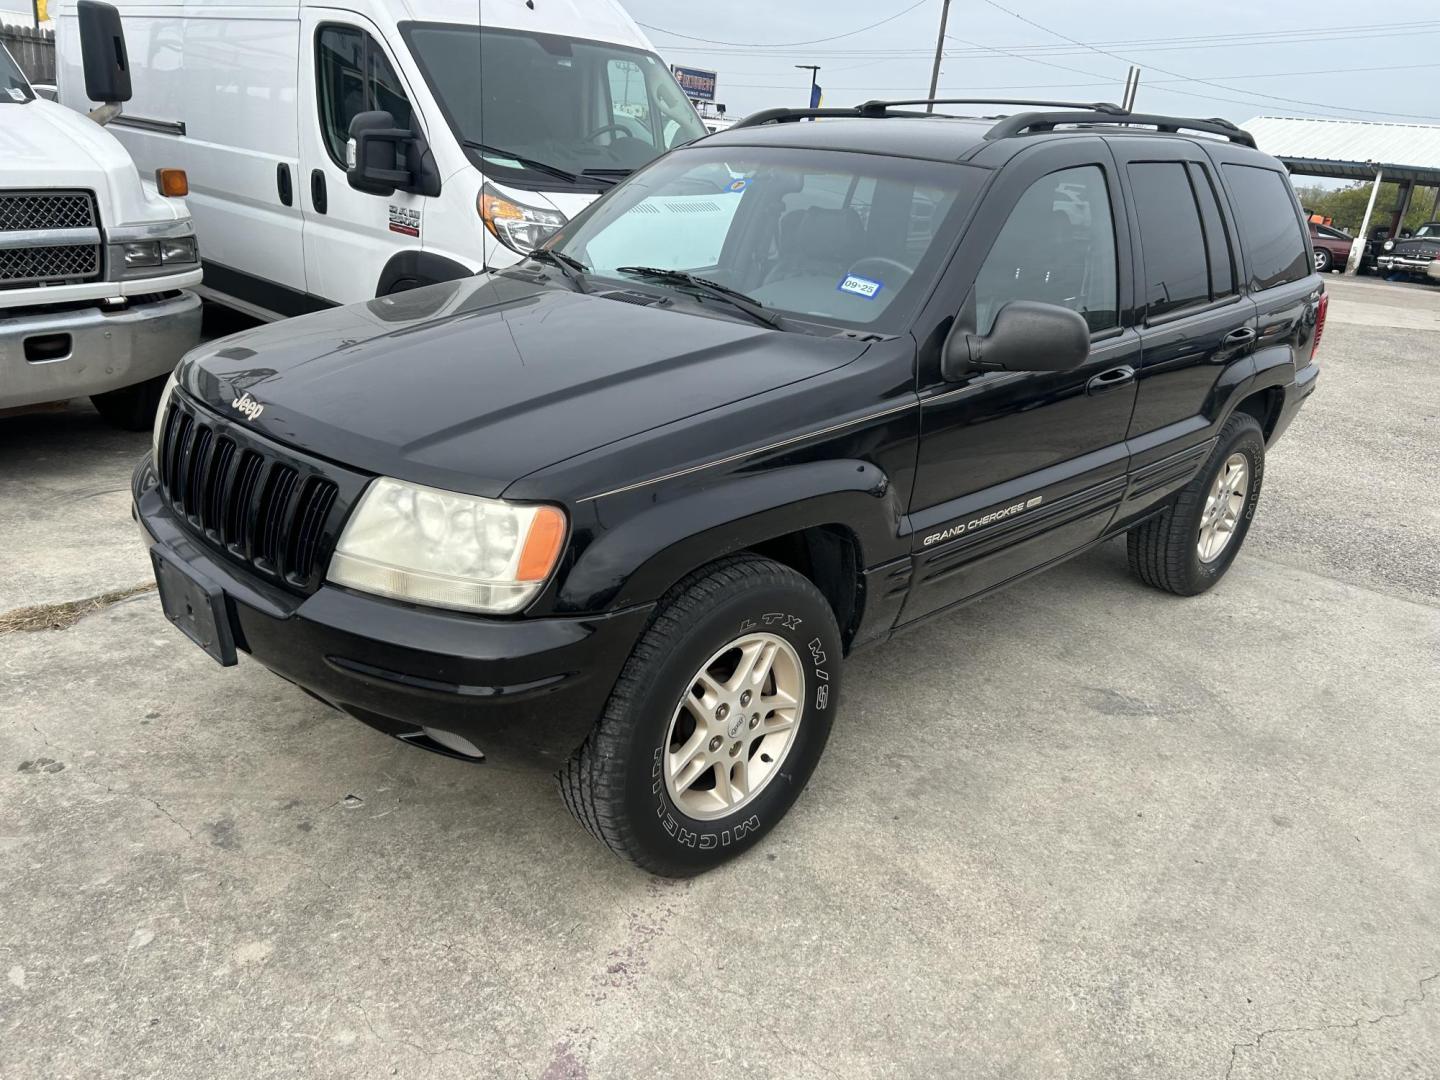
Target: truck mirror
{"x": 1027, "y": 336}
{"x": 377, "y": 155}
{"x": 102, "y": 49}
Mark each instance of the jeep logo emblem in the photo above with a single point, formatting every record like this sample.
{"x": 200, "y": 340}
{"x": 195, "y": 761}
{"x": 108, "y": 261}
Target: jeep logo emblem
{"x": 736, "y": 725}
{"x": 247, "y": 406}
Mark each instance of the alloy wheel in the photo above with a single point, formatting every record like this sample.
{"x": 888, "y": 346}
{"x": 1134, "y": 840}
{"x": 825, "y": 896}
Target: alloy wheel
{"x": 1223, "y": 505}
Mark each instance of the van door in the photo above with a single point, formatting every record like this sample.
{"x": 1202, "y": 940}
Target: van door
{"x": 350, "y": 235}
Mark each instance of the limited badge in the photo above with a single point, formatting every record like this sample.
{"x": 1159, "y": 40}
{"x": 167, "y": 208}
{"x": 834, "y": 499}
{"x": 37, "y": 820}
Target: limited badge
{"x": 860, "y": 286}
{"x": 404, "y": 220}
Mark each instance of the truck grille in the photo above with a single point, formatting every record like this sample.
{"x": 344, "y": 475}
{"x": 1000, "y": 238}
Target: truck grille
{"x": 60, "y": 244}
{"x": 274, "y": 512}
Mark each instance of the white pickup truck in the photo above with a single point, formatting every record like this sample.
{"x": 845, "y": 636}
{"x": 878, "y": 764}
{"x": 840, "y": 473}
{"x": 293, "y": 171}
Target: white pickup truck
{"x": 94, "y": 264}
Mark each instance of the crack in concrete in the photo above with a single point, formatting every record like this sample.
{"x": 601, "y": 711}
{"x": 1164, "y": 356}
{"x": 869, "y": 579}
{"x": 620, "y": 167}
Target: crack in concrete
{"x": 1355, "y": 1025}
{"x": 365, "y": 1015}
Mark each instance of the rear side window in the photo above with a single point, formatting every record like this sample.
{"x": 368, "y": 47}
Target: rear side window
{"x": 353, "y": 76}
{"x": 1172, "y": 239}
{"x": 1269, "y": 227}
{"x": 1217, "y": 236}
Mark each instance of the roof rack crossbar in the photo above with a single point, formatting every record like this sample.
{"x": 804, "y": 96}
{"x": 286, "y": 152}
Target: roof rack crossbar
{"x": 872, "y": 109}
{"x": 1021, "y": 123}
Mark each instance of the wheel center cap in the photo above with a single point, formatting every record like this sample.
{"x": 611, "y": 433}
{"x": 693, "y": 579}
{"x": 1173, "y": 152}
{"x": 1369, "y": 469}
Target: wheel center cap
{"x": 735, "y": 725}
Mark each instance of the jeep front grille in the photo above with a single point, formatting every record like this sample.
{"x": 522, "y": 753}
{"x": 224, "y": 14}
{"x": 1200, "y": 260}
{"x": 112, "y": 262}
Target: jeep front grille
{"x": 48, "y": 238}
{"x": 275, "y": 512}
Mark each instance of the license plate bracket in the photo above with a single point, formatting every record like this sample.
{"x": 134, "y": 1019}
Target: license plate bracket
{"x": 195, "y": 605}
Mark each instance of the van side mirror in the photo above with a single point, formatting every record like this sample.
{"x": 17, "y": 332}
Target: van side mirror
{"x": 381, "y": 158}
{"x": 1027, "y": 336}
{"x": 103, "y": 55}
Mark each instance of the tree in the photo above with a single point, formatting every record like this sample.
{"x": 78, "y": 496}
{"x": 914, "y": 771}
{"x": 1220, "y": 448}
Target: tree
{"x": 1346, "y": 206}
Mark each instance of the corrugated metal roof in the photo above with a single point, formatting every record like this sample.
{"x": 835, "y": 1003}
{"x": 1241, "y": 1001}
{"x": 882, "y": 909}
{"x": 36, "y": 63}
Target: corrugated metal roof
{"x": 1351, "y": 147}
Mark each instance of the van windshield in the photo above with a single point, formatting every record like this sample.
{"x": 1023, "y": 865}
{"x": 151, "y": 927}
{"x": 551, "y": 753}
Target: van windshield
{"x": 548, "y": 111}
{"x": 13, "y": 87}
{"x": 822, "y": 235}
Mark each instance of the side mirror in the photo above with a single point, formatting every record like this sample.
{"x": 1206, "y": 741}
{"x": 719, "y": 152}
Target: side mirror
{"x": 379, "y": 157}
{"x": 102, "y": 50}
{"x": 1027, "y": 336}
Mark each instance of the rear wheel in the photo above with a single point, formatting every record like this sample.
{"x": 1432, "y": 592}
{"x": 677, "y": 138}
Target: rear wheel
{"x": 717, "y": 720}
{"x": 1322, "y": 260}
{"x": 131, "y": 407}
{"x": 1188, "y": 547}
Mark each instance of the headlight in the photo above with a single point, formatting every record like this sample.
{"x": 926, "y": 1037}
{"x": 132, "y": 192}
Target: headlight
{"x": 143, "y": 255}
{"x": 160, "y": 420}
{"x": 520, "y": 228}
{"x": 446, "y": 549}
{"x": 1388, "y": 244}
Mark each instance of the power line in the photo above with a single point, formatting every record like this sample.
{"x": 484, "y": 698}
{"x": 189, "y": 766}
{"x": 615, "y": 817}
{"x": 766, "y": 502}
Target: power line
{"x": 1204, "y": 82}
{"x": 789, "y": 44}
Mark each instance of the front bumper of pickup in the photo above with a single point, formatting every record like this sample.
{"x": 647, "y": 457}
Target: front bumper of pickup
{"x": 1405, "y": 264}
{"x": 423, "y": 675}
{"x": 75, "y": 350}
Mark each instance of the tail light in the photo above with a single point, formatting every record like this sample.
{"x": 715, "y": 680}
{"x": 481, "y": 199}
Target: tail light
{"x": 1320, "y": 313}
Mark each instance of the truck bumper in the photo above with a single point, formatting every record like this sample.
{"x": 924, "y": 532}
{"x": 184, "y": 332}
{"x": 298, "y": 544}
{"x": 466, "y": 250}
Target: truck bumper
{"x": 50, "y": 354}
{"x": 423, "y": 675}
{"x": 1403, "y": 264}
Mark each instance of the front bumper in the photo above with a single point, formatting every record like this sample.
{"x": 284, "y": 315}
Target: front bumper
{"x": 50, "y": 354}
{"x": 420, "y": 674}
{"x": 1409, "y": 264}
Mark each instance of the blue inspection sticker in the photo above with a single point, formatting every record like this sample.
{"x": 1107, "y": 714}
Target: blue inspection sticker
{"x": 860, "y": 286}
{"x": 737, "y": 186}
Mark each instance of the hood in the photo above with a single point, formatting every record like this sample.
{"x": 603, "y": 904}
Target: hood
{"x": 1418, "y": 245}
{"x": 473, "y": 384}
{"x": 45, "y": 145}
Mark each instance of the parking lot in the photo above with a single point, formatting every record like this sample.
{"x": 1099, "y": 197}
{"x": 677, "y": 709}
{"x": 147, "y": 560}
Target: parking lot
{"x": 1080, "y": 829}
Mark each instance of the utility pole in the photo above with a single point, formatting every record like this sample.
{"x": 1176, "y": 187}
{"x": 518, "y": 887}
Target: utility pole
{"x": 939, "y": 51}
{"x": 1132, "y": 87}
{"x": 814, "y": 70}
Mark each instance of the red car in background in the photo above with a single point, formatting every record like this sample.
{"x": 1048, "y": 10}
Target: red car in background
{"x": 1332, "y": 247}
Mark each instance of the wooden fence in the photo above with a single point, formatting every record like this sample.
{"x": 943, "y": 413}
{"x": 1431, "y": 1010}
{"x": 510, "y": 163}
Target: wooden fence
{"x": 33, "y": 50}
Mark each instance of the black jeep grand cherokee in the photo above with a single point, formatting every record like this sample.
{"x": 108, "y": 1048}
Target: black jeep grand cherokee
{"x": 775, "y": 397}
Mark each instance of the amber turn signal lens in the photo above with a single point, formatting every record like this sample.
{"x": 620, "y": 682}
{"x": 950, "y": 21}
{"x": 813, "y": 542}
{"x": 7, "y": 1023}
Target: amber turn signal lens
{"x": 172, "y": 182}
{"x": 542, "y": 545}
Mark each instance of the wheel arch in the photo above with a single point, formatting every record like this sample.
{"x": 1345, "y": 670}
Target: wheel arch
{"x": 828, "y": 520}
{"x": 424, "y": 267}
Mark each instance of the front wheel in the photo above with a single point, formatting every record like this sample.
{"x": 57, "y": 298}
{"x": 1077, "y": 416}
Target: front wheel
{"x": 1190, "y": 545}
{"x": 131, "y": 407}
{"x": 1322, "y": 260}
{"x": 716, "y": 722}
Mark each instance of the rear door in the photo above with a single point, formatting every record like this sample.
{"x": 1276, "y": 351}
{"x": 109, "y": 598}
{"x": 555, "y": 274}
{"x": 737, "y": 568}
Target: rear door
{"x": 1197, "y": 329}
{"x": 1018, "y": 469}
{"x": 346, "y": 69}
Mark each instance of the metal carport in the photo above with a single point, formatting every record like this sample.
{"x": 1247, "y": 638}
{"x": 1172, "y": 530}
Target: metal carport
{"x": 1408, "y": 154}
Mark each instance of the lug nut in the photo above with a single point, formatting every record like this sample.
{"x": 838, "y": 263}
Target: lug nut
{"x": 755, "y": 721}
{"x": 715, "y": 743}
{"x": 722, "y": 712}
{"x": 745, "y": 699}
{"x": 735, "y": 750}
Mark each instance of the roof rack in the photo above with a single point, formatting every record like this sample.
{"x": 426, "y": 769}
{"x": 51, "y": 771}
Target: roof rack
{"x": 877, "y": 109}
{"x": 1021, "y": 123}
{"x": 1081, "y": 112}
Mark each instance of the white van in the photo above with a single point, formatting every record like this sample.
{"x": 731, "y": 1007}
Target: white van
{"x": 474, "y": 142}
{"x": 96, "y": 265}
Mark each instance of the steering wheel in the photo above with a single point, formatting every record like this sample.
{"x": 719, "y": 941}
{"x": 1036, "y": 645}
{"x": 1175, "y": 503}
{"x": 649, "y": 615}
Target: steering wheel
{"x": 868, "y": 266}
{"x": 619, "y": 129}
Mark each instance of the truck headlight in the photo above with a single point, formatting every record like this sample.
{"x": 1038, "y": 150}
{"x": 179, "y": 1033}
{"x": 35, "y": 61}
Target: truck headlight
{"x": 144, "y": 255}
{"x": 446, "y": 549}
{"x": 160, "y": 411}
{"x": 520, "y": 228}
{"x": 1389, "y": 244}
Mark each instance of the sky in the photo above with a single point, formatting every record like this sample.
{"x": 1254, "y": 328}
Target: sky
{"x": 1326, "y": 57}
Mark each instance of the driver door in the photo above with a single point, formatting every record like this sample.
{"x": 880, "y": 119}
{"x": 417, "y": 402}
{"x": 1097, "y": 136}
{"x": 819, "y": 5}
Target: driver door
{"x": 1017, "y": 469}
{"x": 349, "y": 235}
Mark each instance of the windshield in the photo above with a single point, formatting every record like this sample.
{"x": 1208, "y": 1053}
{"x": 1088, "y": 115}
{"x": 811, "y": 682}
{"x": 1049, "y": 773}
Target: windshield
{"x": 1431, "y": 229}
{"x": 13, "y": 86}
{"x": 831, "y": 236}
{"x": 521, "y": 100}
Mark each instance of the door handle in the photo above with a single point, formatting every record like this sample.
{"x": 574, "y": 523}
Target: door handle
{"x": 283, "y": 185}
{"x": 1110, "y": 380}
{"x": 1238, "y": 339}
{"x": 317, "y": 190}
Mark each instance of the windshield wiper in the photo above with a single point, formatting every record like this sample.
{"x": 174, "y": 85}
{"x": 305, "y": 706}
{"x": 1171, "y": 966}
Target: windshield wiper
{"x": 532, "y": 164}
{"x": 736, "y": 299}
{"x": 571, "y": 268}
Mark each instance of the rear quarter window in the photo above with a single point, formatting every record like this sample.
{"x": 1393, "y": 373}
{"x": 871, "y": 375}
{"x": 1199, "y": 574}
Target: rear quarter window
{"x": 1269, "y": 227}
